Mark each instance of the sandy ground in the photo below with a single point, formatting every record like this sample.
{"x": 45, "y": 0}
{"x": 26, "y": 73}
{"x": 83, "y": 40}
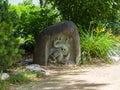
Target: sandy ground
{"x": 91, "y": 77}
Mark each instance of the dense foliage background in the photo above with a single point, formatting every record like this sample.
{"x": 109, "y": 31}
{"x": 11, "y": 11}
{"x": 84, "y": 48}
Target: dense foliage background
{"x": 84, "y": 11}
{"x": 31, "y": 20}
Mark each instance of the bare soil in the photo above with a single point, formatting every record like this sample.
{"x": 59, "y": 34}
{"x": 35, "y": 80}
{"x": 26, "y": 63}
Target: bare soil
{"x": 89, "y": 77}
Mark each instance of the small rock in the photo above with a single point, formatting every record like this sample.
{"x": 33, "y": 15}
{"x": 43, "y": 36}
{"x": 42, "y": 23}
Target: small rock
{"x": 36, "y": 68}
{"x": 33, "y": 67}
{"x": 4, "y": 76}
{"x": 115, "y": 58}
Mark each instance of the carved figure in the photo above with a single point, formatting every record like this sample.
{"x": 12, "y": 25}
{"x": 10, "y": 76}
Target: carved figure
{"x": 61, "y": 53}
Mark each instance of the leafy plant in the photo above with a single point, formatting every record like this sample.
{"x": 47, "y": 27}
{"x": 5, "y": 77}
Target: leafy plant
{"x": 96, "y": 43}
{"x": 32, "y": 75}
{"x": 18, "y": 79}
{"x": 9, "y": 45}
{"x": 83, "y": 11}
{"x": 32, "y": 20}
{"x": 24, "y": 77}
{"x": 4, "y": 85}
{"x": 116, "y": 27}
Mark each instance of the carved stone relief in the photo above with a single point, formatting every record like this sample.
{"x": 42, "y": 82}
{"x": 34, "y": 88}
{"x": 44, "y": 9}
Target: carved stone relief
{"x": 59, "y": 53}
{"x": 58, "y": 44}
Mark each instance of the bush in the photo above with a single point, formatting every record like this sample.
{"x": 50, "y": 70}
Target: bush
{"x": 4, "y": 85}
{"x": 83, "y": 11}
{"x": 32, "y": 75}
{"x": 18, "y": 79}
{"x": 96, "y": 43}
{"x": 116, "y": 27}
{"x": 24, "y": 77}
{"x": 9, "y": 45}
{"x": 32, "y": 20}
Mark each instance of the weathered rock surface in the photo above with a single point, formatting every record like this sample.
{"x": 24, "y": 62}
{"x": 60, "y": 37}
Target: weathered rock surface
{"x": 58, "y": 44}
{"x": 36, "y": 68}
{"x": 4, "y": 76}
{"x": 115, "y": 58}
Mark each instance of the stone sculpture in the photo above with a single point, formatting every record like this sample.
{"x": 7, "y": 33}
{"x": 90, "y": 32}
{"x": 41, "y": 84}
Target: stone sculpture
{"x": 58, "y": 44}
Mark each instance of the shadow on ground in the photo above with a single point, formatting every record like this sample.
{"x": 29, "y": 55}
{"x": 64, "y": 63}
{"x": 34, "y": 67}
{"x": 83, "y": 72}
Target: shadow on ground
{"x": 64, "y": 79}
{"x": 67, "y": 79}
{"x": 69, "y": 85}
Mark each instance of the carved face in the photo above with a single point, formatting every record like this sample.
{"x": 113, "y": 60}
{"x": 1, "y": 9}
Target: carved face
{"x": 64, "y": 50}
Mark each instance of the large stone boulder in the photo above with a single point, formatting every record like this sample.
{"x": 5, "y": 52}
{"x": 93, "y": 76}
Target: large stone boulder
{"x": 58, "y": 44}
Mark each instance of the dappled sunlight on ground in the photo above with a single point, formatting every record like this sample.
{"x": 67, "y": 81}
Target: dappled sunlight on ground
{"x": 91, "y": 77}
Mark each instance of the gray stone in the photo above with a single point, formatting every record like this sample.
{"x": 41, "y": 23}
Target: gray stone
{"x": 58, "y": 44}
{"x": 4, "y": 76}
{"x": 114, "y": 55}
{"x": 36, "y": 68}
{"x": 115, "y": 58}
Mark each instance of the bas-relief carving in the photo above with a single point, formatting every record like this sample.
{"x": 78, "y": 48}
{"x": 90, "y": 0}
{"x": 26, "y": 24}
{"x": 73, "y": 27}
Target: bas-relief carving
{"x": 59, "y": 52}
{"x": 58, "y": 44}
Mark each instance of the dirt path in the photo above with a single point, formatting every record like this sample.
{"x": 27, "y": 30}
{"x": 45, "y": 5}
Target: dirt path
{"x": 106, "y": 77}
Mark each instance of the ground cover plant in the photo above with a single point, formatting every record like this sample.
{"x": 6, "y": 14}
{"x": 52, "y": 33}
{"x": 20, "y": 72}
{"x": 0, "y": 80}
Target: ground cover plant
{"x": 22, "y": 77}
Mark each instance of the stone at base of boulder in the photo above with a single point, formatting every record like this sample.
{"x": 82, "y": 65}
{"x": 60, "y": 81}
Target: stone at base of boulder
{"x": 36, "y": 68}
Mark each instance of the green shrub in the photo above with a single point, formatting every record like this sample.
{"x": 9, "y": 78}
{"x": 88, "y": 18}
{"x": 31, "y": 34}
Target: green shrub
{"x": 96, "y": 43}
{"x": 32, "y": 20}
{"x": 24, "y": 77}
{"x": 83, "y": 11}
{"x": 18, "y": 79}
{"x": 115, "y": 27}
{"x": 9, "y": 45}
{"x": 4, "y": 85}
{"x": 32, "y": 75}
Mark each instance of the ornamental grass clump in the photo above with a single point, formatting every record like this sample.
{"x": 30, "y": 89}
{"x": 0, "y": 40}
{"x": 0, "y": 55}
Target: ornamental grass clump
{"x": 96, "y": 43}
